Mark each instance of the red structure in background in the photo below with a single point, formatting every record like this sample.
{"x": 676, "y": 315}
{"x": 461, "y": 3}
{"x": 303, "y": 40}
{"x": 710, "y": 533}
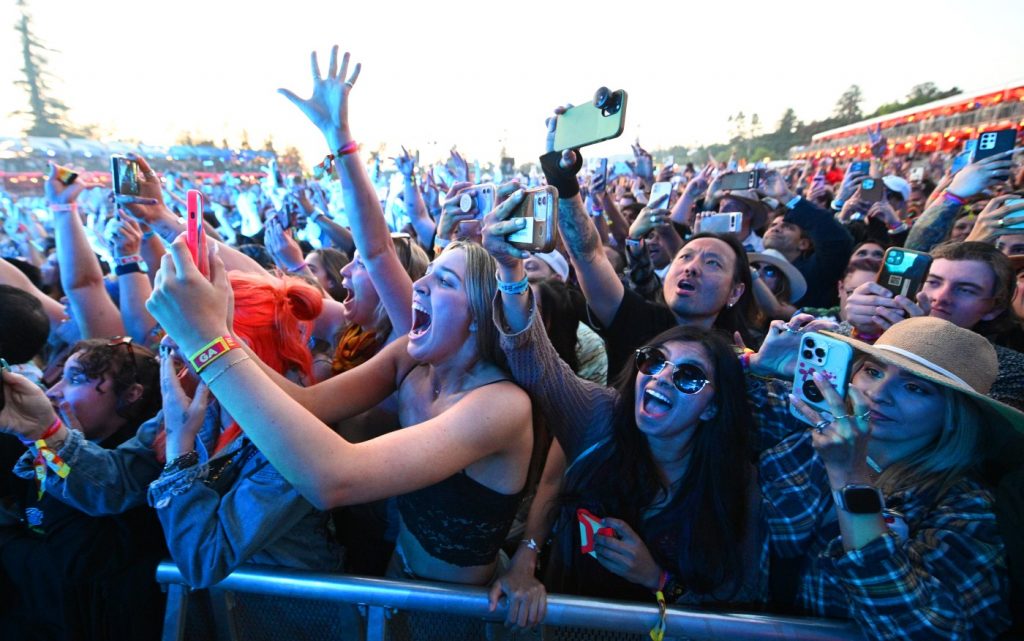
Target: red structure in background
{"x": 942, "y": 125}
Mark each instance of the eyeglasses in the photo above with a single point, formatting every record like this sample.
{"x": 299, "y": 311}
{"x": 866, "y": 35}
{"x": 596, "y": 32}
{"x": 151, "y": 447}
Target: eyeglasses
{"x": 688, "y": 378}
{"x": 766, "y": 269}
{"x": 117, "y": 341}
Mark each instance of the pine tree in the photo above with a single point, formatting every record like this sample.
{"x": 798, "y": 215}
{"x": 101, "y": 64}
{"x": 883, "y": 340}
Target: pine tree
{"x": 48, "y": 115}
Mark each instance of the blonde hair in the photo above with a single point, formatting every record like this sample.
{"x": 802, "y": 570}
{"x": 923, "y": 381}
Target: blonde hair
{"x": 481, "y": 285}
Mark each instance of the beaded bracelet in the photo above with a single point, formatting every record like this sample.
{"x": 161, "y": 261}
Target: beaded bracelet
{"x": 211, "y": 352}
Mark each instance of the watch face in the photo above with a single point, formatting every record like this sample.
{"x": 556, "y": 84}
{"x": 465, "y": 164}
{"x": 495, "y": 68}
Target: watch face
{"x": 862, "y": 500}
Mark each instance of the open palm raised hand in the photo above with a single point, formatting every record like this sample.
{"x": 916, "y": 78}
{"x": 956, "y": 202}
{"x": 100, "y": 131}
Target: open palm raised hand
{"x": 328, "y": 106}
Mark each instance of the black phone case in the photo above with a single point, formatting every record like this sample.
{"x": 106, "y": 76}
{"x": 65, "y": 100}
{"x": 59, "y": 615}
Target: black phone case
{"x": 991, "y": 143}
{"x": 903, "y": 271}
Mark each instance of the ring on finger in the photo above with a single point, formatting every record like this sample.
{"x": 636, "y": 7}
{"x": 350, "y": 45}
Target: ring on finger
{"x": 349, "y": 83}
{"x": 822, "y": 425}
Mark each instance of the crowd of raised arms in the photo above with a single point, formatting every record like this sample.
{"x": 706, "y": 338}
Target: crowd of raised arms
{"x": 813, "y": 410}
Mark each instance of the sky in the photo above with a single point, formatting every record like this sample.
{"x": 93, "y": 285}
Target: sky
{"x": 485, "y": 75}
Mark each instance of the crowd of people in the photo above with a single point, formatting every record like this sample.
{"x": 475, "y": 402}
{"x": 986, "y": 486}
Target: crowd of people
{"x": 384, "y": 382}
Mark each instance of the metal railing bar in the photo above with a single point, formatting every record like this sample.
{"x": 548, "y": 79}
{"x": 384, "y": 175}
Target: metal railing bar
{"x": 562, "y": 610}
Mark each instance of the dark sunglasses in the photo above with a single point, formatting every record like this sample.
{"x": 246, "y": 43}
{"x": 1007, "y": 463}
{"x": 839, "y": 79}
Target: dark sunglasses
{"x": 117, "y": 341}
{"x": 767, "y": 269}
{"x": 688, "y": 378}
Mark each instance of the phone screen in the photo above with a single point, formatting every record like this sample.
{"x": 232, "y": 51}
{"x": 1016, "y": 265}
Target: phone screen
{"x": 125, "y": 174}
{"x": 662, "y": 191}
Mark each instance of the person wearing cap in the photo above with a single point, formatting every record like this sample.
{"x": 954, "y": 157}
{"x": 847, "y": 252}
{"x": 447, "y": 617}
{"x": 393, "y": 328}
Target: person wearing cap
{"x": 810, "y": 238}
{"x": 970, "y": 284}
{"x": 879, "y": 506}
{"x": 777, "y": 284}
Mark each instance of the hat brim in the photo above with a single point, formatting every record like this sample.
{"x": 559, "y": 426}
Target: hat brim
{"x": 1004, "y": 422}
{"x": 797, "y": 282}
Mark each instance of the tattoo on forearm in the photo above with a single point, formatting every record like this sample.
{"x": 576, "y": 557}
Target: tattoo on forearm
{"x": 932, "y": 226}
{"x": 577, "y": 229}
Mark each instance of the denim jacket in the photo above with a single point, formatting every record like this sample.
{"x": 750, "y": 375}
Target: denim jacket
{"x": 242, "y": 512}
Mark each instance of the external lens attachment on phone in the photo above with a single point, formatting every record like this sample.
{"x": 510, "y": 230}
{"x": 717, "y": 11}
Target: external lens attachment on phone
{"x": 608, "y": 101}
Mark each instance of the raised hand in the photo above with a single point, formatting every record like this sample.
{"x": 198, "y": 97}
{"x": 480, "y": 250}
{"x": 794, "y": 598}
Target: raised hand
{"x": 406, "y": 163}
{"x": 183, "y": 416}
{"x": 879, "y": 144}
{"x": 978, "y": 176}
{"x": 458, "y": 166}
{"x": 26, "y": 411}
{"x": 327, "y": 108}
{"x": 497, "y": 227}
{"x": 995, "y": 218}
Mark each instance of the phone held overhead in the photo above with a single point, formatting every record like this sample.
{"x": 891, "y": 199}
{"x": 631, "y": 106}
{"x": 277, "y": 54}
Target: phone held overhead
{"x": 601, "y": 119}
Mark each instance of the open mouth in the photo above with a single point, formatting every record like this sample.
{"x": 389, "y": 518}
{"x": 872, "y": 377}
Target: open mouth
{"x": 420, "y": 320}
{"x": 655, "y": 403}
{"x": 350, "y": 294}
{"x": 686, "y": 286}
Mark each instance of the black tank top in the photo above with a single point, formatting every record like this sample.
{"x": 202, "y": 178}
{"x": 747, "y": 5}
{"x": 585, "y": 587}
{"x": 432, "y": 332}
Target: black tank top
{"x": 458, "y": 520}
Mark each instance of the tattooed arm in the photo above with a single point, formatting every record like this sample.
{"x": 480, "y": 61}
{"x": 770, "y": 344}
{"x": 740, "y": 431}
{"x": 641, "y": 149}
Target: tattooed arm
{"x": 932, "y": 227}
{"x": 597, "y": 277}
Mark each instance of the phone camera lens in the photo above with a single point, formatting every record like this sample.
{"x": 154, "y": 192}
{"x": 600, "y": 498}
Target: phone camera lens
{"x": 807, "y": 354}
{"x": 810, "y": 342}
{"x": 601, "y": 97}
{"x": 819, "y": 352}
{"x": 812, "y": 392}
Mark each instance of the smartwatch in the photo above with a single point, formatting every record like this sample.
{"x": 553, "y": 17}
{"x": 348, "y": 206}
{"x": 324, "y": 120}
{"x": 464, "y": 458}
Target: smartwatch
{"x": 859, "y": 499}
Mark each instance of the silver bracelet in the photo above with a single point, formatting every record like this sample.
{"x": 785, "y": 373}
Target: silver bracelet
{"x": 213, "y": 378}
{"x": 530, "y": 544}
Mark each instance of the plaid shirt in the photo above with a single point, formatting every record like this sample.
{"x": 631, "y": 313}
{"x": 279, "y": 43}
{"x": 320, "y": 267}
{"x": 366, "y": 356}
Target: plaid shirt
{"x": 946, "y": 579}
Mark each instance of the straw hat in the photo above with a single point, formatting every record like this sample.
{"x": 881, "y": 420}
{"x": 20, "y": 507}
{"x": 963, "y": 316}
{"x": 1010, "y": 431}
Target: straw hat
{"x": 797, "y": 282}
{"x": 938, "y": 351}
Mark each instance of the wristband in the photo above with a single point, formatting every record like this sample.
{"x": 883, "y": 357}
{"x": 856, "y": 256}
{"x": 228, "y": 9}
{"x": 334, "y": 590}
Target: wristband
{"x": 211, "y": 352}
{"x": 953, "y": 198}
{"x": 60, "y": 208}
{"x": 128, "y": 260}
{"x": 898, "y": 229}
{"x": 52, "y": 429}
{"x": 531, "y": 545}
{"x": 515, "y": 289}
{"x": 213, "y": 378}
{"x": 47, "y": 459}
{"x": 327, "y": 165}
{"x": 317, "y": 213}
{"x": 149, "y": 233}
{"x": 633, "y": 243}
{"x": 130, "y": 268}
{"x": 562, "y": 179}
{"x": 745, "y": 359}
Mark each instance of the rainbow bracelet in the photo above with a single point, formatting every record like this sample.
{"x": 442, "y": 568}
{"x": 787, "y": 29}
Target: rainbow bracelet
{"x": 211, "y": 352}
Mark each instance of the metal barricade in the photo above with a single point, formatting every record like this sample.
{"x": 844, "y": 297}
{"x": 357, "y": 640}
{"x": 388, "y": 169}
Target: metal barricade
{"x": 278, "y": 603}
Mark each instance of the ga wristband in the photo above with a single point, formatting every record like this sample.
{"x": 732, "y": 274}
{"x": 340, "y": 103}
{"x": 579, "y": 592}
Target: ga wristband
{"x": 211, "y": 352}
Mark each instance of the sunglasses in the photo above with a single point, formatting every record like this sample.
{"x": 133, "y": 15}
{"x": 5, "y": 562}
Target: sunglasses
{"x": 768, "y": 270}
{"x": 688, "y": 378}
{"x": 117, "y": 341}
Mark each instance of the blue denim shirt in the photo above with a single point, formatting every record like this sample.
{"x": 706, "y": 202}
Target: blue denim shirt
{"x": 256, "y": 518}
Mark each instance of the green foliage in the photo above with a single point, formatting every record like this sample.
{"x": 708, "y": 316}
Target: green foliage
{"x": 747, "y": 141}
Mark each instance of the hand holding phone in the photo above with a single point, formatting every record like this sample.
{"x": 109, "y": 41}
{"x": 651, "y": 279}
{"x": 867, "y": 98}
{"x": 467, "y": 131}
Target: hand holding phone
{"x": 830, "y": 358}
{"x": 590, "y": 528}
{"x": 124, "y": 173}
{"x": 598, "y": 120}
{"x": 903, "y": 271}
{"x": 539, "y": 211}
{"x": 195, "y": 234}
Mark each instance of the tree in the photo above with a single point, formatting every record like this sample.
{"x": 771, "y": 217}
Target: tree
{"x": 268, "y": 144}
{"x": 755, "y": 126}
{"x": 48, "y": 114}
{"x": 847, "y": 108}
{"x": 919, "y": 94}
{"x": 787, "y": 123}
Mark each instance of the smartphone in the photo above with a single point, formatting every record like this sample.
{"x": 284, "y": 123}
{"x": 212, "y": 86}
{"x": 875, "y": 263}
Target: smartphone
{"x": 991, "y": 143}
{"x": 903, "y": 271}
{"x": 602, "y": 169}
{"x": 827, "y": 356}
{"x": 540, "y": 209}
{"x": 917, "y": 174}
{"x": 195, "y": 235}
{"x": 961, "y": 160}
{"x": 590, "y": 527}
{"x": 602, "y": 118}
{"x": 65, "y": 175}
{"x": 1016, "y": 219}
{"x": 860, "y": 167}
{"x": 661, "y": 190}
{"x": 125, "y": 175}
{"x": 479, "y": 199}
{"x": 744, "y": 180}
{"x": 722, "y": 223}
{"x": 872, "y": 190}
